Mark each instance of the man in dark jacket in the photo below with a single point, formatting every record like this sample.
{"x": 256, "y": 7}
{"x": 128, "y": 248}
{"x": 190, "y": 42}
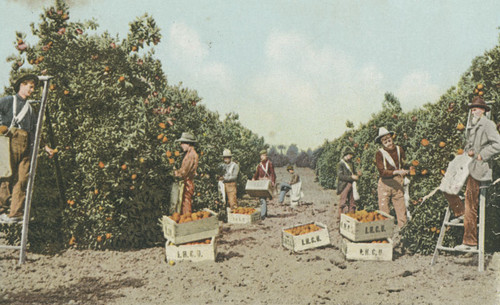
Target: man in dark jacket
{"x": 345, "y": 182}
{"x": 18, "y": 122}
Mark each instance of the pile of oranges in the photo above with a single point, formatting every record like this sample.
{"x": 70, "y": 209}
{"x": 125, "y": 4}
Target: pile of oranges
{"x": 178, "y": 218}
{"x": 364, "y": 216}
{"x": 242, "y": 210}
{"x": 382, "y": 241}
{"x": 304, "y": 229}
{"x": 198, "y": 242}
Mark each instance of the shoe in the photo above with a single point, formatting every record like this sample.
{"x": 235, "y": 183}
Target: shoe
{"x": 464, "y": 247}
{"x": 8, "y": 220}
{"x": 457, "y": 220}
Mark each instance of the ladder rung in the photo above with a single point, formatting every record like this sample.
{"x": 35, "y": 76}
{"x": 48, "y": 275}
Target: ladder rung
{"x": 11, "y": 223}
{"x": 10, "y": 247}
{"x": 455, "y": 250}
{"x": 456, "y": 224}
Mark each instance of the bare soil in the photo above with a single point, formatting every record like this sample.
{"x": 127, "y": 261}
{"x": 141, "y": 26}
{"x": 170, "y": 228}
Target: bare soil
{"x": 251, "y": 268}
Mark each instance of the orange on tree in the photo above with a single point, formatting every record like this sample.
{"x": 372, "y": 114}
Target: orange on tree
{"x": 460, "y": 126}
{"x": 424, "y": 142}
{"x": 124, "y": 167}
{"x": 176, "y": 153}
{"x": 134, "y": 176}
{"x": 415, "y": 163}
{"x": 121, "y": 79}
{"x": 160, "y": 136}
{"x": 162, "y": 125}
{"x": 101, "y": 164}
{"x": 442, "y": 144}
{"x": 168, "y": 153}
{"x": 460, "y": 151}
{"x": 99, "y": 238}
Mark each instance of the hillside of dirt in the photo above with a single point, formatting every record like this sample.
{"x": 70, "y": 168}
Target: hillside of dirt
{"x": 251, "y": 268}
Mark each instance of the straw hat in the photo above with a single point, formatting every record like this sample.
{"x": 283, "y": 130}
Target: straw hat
{"x": 226, "y": 153}
{"x": 186, "y": 137}
{"x": 382, "y": 131}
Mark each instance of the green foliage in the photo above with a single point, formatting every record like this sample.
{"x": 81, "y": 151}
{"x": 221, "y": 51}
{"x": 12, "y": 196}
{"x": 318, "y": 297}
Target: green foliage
{"x": 436, "y": 123}
{"x": 115, "y": 119}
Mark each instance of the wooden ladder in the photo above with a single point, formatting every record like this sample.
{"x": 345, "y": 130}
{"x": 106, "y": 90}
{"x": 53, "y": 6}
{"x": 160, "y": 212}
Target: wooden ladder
{"x": 32, "y": 174}
{"x": 481, "y": 225}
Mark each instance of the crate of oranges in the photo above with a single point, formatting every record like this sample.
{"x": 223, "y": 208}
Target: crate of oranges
{"x": 306, "y": 236}
{"x": 375, "y": 250}
{"x": 363, "y": 225}
{"x": 180, "y": 229}
{"x": 195, "y": 251}
{"x": 243, "y": 215}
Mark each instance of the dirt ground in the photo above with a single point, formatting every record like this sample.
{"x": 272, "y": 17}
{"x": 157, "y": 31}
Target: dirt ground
{"x": 251, "y": 268}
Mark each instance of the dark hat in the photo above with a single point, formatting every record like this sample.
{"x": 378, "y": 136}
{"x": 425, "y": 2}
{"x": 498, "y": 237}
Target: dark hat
{"x": 478, "y": 101}
{"x": 186, "y": 137}
{"x": 382, "y": 131}
{"x": 289, "y": 168}
{"x": 24, "y": 78}
{"x": 347, "y": 150}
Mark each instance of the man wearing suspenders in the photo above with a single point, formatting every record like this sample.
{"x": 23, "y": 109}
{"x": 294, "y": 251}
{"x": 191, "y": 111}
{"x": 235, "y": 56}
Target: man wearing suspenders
{"x": 231, "y": 170}
{"x": 265, "y": 171}
{"x": 18, "y": 122}
{"x": 390, "y": 161}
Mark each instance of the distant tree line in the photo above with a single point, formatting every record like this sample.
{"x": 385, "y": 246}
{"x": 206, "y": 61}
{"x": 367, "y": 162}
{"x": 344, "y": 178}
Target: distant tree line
{"x": 281, "y": 156}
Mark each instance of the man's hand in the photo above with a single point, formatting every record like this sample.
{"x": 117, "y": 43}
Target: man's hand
{"x": 3, "y": 129}
{"x": 354, "y": 177}
{"x": 479, "y": 157}
{"x": 400, "y": 172}
{"x": 51, "y": 152}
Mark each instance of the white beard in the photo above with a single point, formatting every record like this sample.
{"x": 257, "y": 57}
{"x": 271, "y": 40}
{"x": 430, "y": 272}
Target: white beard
{"x": 475, "y": 119}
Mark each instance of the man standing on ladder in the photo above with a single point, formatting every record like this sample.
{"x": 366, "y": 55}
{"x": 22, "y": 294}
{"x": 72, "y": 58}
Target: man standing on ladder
{"x": 482, "y": 143}
{"x": 18, "y": 122}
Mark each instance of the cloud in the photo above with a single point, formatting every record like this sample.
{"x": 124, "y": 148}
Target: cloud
{"x": 416, "y": 89}
{"x": 41, "y": 3}
{"x": 185, "y": 44}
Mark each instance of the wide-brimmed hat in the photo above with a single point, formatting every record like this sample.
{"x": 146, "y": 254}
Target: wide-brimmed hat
{"x": 478, "y": 101}
{"x": 186, "y": 137}
{"x": 24, "y": 78}
{"x": 226, "y": 153}
{"x": 382, "y": 131}
{"x": 263, "y": 152}
{"x": 347, "y": 150}
{"x": 289, "y": 168}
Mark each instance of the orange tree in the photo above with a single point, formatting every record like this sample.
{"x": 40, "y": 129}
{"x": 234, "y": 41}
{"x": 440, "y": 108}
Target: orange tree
{"x": 431, "y": 137}
{"x": 115, "y": 119}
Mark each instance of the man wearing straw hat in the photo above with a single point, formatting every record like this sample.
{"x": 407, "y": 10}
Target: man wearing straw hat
{"x": 187, "y": 170}
{"x": 390, "y": 161}
{"x": 18, "y": 122}
{"x": 228, "y": 180}
{"x": 264, "y": 171}
{"x": 346, "y": 185}
{"x": 482, "y": 143}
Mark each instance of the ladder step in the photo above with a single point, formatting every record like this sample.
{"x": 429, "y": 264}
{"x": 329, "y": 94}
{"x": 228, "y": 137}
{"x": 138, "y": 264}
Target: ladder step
{"x": 10, "y": 247}
{"x": 11, "y": 223}
{"x": 457, "y": 224}
{"x": 455, "y": 250}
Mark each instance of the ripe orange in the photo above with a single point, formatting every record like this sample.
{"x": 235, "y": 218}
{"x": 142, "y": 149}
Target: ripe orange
{"x": 108, "y": 235}
{"x": 171, "y": 161}
{"x": 176, "y": 153}
{"x": 415, "y": 162}
{"x": 124, "y": 166}
{"x": 160, "y": 136}
{"x": 479, "y": 86}
{"x": 424, "y": 142}
{"x": 460, "y": 151}
{"x": 96, "y": 191}
{"x": 162, "y": 125}
{"x": 168, "y": 153}
{"x": 106, "y": 69}
{"x": 164, "y": 140}
{"x": 480, "y": 93}
{"x": 134, "y": 48}
{"x": 99, "y": 238}
{"x": 134, "y": 176}
{"x": 66, "y": 92}
{"x": 412, "y": 172}
{"x": 70, "y": 202}
{"x": 72, "y": 241}
{"x": 442, "y": 144}
{"x": 460, "y": 126}
{"x": 101, "y": 164}
{"x": 424, "y": 172}
{"x": 163, "y": 99}
{"x": 121, "y": 79}
{"x": 52, "y": 87}
{"x": 443, "y": 172}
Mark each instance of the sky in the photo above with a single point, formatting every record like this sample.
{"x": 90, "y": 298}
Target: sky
{"x": 295, "y": 71}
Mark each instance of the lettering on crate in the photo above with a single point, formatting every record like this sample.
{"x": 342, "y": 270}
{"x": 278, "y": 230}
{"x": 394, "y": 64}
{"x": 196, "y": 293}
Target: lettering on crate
{"x": 189, "y": 254}
{"x": 311, "y": 240}
{"x": 375, "y": 229}
{"x": 370, "y": 252}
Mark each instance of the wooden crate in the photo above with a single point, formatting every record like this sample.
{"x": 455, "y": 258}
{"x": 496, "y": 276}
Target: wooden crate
{"x": 259, "y": 188}
{"x": 367, "y": 251}
{"x": 180, "y": 233}
{"x": 194, "y": 253}
{"x": 363, "y": 231}
{"x": 305, "y": 241}
{"x": 243, "y": 218}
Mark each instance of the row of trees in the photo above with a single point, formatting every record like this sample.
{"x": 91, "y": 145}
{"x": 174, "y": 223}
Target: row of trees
{"x": 114, "y": 120}
{"x": 293, "y": 156}
{"x": 431, "y": 136}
